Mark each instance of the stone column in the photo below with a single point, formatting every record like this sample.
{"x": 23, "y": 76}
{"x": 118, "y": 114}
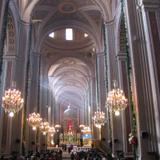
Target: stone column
{"x": 33, "y": 95}
{"x": 89, "y": 103}
{"x": 57, "y": 113}
{"x": 15, "y": 70}
{"x": 143, "y": 86}
{"x": 7, "y": 78}
{"x": 101, "y": 81}
{"x": 150, "y": 11}
{"x": 43, "y": 91}
{"x": 111, "y": 53}
{"x": 115, "y": 122}
{"x": 97, "y": 133}
{"x": 82, "y": 113}
{"x": 43, "y": 88}
{"x": 102, "y": 94}
{"x": 2, "y": 10}
{"x": 51, "y": 104}
{"x": 85, "y": 109}
{"x": 124, "y": 85}
{"x": 21, "y": 78}
{"x": 3, "y": 22}
{"x": 53, "y": 107}
{"x": 93, "y": 107}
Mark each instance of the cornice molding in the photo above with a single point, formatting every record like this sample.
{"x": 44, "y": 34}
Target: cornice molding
{"x": 150, "y": 4}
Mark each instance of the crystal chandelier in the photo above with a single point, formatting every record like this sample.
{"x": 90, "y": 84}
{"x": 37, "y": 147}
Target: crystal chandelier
{"x": 51, "y": 131}
{"x": 81, "y": 126}
{"x": 44, "y": 127}
{"x": 99, "y": 119}
{"x": 57, "y": 127}
{"x": 86, "y": 129}
{"x": 12, "y": 102}
{"x": 116, "y": 100}
{"x": 34, "y": 120}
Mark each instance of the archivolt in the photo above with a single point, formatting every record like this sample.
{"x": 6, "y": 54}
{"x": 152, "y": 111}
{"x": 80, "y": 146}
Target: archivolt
{"x": 105, "y": 10}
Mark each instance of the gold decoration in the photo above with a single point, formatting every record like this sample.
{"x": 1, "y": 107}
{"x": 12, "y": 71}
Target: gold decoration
{"x": 57, "y": 127}
{"x": 116, "y": 100}
{"x": 44, "y": 127}
{"x": 34, "y": 120}
{"x": 86, "y": 129}
{"x": 12, "y": 102}
{"x": 99, "y": 119}
{"x": 51, "y": 131}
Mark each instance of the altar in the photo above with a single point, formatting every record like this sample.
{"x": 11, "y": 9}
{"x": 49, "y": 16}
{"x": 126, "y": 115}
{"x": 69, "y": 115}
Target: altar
{"x": 70, "y": 138}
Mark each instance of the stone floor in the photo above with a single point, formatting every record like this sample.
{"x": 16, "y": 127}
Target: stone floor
{"x": 66, "y": 156}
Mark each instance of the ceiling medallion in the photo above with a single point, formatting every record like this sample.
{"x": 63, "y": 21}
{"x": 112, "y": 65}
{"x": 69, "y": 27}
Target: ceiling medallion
{"x": 67, "y": 7}
{"x": 68, "y": 61}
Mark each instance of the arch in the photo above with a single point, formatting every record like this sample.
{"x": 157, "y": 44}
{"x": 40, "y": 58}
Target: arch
{"x": 73, "y": 78}
{"x": 73, "y": 24}
{"x": 90, "y": 65}
{"x": 57, "y": 64}
{"x": 104, "y": 8}
{"x": 77, "y": 101}
{"x": 28, "y": 11}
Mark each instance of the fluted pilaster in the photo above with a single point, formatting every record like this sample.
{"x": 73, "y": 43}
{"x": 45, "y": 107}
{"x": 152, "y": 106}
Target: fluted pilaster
{"x": 143, "y": 93}
{"x": 116, "y": 123}
{"x": 150, "y": 11}
{"x": 124, "y": 85}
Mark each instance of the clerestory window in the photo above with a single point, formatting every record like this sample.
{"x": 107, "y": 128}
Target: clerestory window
{"x": 69, "y": 34}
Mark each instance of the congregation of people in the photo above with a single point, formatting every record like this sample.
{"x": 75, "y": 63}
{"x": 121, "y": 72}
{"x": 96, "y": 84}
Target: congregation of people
{"x": 43, "y": 155}
{"x": 88, "y": 154}
{"x": 81, "y": 154}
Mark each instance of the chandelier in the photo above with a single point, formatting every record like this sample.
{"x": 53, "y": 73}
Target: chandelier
{"x": 51, "y": 131}
{"x": 34, "y": 120}
{"x": 99, "y": 119}
{"x": 12, "y": 102}
{"x": 44, "y": 127}
{"x": 57, "y": 127}
{"x": 86, "y": 129}
{"x": 81, "y": 126}
{"x": 116, "y": 100}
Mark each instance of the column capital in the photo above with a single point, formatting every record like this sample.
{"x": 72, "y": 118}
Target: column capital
{"x": 109, "y": 23}
{"x": 22, "y": 22}
{"x": 149, "y": 4}
{"x": 10, "y": 57}
{"x": 121, "y": 56}
{"x": 33, "y": 53}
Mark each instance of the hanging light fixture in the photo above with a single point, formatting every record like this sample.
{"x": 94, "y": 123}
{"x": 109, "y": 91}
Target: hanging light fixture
{"x": 51, "y": 131}
{"x": 34, "y": 120}
{"x": 86, "y": 129}
{"x": 57, "y": 127}
{"x": 44, "y": 127}
{"x": 81, "y": 126}
{"x": 99, "y": 118}
{"x": 12, "y": 101}
{"x": 116, "y": 100}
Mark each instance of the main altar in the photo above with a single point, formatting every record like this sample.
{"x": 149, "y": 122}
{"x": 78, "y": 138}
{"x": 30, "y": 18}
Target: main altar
{"x": 71, "y": 133}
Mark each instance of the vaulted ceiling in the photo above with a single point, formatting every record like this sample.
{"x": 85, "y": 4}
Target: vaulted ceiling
{"x": 69, "y": 76}
{"x": 69, "y": 79}
{"x": 106, "y": 7}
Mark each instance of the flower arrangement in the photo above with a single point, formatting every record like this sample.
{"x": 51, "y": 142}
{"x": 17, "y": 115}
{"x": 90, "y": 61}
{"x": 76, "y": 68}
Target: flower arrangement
{"x": 132, "y": 139}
